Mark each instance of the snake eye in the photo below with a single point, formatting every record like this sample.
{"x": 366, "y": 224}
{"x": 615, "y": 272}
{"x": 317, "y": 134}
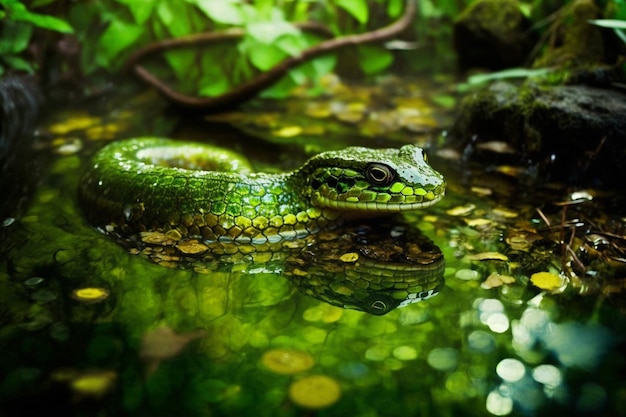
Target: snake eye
{"x": 379, "y": 174}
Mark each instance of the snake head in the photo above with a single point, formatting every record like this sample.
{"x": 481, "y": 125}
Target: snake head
{"x": 373, "y": 181}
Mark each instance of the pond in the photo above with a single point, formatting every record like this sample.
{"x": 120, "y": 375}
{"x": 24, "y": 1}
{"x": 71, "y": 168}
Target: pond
{"x": 498, "y": 318}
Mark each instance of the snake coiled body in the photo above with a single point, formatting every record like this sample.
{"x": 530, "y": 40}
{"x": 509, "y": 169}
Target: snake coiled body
{"x": 199, "y": 191}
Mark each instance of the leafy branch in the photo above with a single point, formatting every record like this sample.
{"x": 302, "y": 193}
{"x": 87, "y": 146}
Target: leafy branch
{"x": 250, "y": 89}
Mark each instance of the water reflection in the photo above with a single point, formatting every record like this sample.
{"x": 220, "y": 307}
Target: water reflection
{"x": 373, "y": 266}
{"x": 544, "y": 352}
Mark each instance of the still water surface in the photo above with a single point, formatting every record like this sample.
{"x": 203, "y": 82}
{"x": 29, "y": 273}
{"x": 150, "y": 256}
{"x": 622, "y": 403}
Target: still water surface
{"x": 88, "y": 328}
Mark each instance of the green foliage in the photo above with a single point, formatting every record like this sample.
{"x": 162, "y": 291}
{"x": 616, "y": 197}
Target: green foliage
{"x": 16, "y": 28}
{"x": 269, "y": 36}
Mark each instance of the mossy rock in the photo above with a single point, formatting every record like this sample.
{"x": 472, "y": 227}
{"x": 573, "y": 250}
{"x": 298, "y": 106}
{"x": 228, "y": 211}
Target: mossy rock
{"x": 569, "y": 133}
{"x": 492, "y": 34}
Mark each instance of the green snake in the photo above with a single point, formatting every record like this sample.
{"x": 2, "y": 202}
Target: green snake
{"x": 194, "y": 190}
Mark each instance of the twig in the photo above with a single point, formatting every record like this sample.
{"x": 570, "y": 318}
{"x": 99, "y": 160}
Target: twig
{"x": 253, "y": 87}
{"x": 543, "y": 217}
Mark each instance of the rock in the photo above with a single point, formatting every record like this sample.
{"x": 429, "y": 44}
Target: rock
{"x": 573, "y": 40}
{"x": 580, "y": 52}
{"x": 20, "y": 102}
{"x": 568, "y": 133}
{"x": 492, "y": 34}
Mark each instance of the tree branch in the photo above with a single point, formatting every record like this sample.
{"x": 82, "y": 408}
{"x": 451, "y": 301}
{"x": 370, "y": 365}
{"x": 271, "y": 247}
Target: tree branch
{"x": 253, "y": 87}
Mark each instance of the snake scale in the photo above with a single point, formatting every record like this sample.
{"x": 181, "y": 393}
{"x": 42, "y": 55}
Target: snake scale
{"x": 195, "y": 190}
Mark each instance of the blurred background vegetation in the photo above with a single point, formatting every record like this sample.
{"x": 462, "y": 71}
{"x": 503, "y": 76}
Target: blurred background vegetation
{"x": 82, "y": 44}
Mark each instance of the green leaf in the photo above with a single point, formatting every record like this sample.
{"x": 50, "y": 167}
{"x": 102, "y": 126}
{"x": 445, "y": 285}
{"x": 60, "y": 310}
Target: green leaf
{"x": 265, "y": 56}
{"x": 14, "y": 37}
{"x": 117, "y": 37}
{"x": 609, "y": 23}
{"x": 40, "y": 20}
{"x": 395, "y": 7}
{"x": 268, "y": 32}
{"x": 221, "y": 11}
{"x": 281, "y": 89}
{"x": 290, "y": 44}
{"x": 169, "y": 13}
{"x": 373, "y": 59}
{"x": 17, "y": 63}
{"x": 216, "y": 73}
{"x": 508, "y": 73}
{"x": 183, "y": 63}
{"x": 40, "y": 3}
{"x": 323, "y": 65}
{"x": 141, "y": 10}
{"x": 357, "y": 9}
{"x": 429, "y": 10}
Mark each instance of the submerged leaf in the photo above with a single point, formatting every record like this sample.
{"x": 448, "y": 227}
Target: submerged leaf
{"x": 315, "y": 391}
{"x": 287, "y": 361}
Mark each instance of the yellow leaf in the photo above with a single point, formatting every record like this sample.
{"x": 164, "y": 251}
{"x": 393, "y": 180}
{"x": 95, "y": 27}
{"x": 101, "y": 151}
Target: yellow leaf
{"x": 483, "y": 256}
{"x": 461, "y": 210}
{"x": 288, "y": 131}
{"x": 547, "y": 281}
{"x": 349, "y": 257}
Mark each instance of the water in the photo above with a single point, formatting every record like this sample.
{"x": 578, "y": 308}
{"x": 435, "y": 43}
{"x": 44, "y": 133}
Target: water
{"x": 89, "y": 329}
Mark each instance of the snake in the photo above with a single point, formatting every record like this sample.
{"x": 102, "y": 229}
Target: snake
{"x": 194, "y": 190}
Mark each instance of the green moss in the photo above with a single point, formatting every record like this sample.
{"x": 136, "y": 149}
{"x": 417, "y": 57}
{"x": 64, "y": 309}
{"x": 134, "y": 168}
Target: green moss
{"x": 579, "y": 43}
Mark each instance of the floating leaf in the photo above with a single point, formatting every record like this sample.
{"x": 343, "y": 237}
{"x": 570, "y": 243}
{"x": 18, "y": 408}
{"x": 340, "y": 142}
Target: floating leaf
{"x": 90, "y": 295}
{"x": 349, "y": 257}
{"x": 461, "y": 210}
{"x": 496, "y": 146}
{"x": 504, "y": 212}
{"x": 477, "y": 222}
{"x": 547, "y": 281}
{"x": 93, "y": 383}
{"x": 288, "y": 131}
{"x": 488, "y": 256}
{"x": 496, "y": 280}
{"x": 467, "y": 274}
